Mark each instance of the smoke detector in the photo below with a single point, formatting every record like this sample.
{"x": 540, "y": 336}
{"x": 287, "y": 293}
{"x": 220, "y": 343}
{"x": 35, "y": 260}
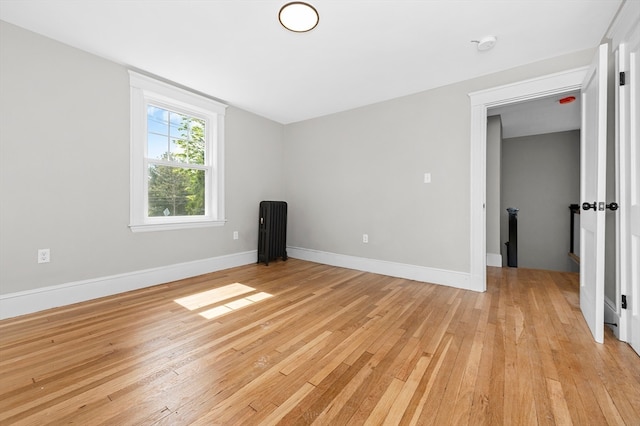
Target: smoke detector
{"x": 485, "y": 43}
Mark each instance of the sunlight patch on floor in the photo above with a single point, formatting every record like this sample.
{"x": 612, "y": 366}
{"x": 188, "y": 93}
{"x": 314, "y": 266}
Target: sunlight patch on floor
{"x": 209, "y": 297}
{"x": 217, "y": 295}
{"x": 235, "y": 305}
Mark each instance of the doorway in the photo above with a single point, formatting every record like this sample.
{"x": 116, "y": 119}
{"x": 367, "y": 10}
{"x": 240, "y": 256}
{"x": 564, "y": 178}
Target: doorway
{"x": 533, "y": 165}
{"x": 481, "y": 102}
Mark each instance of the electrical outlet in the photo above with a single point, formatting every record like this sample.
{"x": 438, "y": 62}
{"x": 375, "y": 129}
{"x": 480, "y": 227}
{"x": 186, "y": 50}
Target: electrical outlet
{"x": 235, "y": 235}
{"x": 365, "y": 238}
{"x": 44, "y": 256}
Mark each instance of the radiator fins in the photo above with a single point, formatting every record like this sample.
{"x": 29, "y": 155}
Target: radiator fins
{"x": 272, "y": 231}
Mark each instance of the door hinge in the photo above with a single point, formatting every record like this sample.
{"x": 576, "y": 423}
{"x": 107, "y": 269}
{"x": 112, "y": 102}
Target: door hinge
{"x": 624, "y": 302}
{"x": 622, "y": 78}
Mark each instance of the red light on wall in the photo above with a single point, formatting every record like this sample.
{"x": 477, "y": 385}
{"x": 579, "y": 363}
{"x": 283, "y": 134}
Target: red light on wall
{"x": 567, "y": 100}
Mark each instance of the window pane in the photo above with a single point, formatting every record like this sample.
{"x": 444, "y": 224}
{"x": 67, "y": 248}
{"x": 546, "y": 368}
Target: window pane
{"x": 157, "y": 120}
{"x": 174, "y": 191}
{"x": 183, "y": 140}
{"x": 177, "y": 150}
{"x": 157, "y": 146}
{"x": 189, "y": 147}
{"x": 195, "y": 152}
{"x": 179, "y": 124}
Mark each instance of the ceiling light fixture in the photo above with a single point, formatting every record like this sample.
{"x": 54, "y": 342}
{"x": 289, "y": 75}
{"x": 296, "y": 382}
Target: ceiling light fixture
{"x": 298, "y": 17}
{"x": 485, "y": 43}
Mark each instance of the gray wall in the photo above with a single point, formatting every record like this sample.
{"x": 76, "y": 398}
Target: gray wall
{"x": 361, "y": 171}
{"x": 541, "y": 177}
{"x": 64, "y": 171}
{"x": 494, "y": 169}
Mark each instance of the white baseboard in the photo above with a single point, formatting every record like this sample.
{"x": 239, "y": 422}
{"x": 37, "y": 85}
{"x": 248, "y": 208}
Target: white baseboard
{"x": 611, "y": 316}
{"x": 25, "y": 302}
{"x": 494, "y": 259}
{"x": 401, "y": 270}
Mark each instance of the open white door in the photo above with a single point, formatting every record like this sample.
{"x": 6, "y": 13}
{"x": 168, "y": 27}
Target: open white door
{"x": 593, "y": 151}
{"x": 631, "y": 130}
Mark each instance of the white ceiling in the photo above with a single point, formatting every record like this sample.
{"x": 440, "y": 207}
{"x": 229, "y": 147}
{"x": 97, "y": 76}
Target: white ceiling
{"x": 362, "y": 51}
{"x": 543, "y": 115}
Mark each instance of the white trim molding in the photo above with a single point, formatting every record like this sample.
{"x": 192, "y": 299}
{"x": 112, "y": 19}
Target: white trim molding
{"x": 623, "y": 23}
{"x": 26, "y": 302}
{"x": 148, "y": 92}
{"x": 494, "y": 259}
{"x": 393, "y": 269}
{"x": 481, "y": 101}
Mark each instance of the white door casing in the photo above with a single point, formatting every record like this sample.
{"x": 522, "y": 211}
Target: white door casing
{"x": 629, "y": 139}
{"x": 593, "y": 151}
{"x": 548, "y": 85}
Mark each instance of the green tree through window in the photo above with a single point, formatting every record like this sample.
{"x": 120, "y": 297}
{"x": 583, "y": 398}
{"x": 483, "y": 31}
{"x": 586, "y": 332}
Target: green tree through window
{"x": 177, "y": 178}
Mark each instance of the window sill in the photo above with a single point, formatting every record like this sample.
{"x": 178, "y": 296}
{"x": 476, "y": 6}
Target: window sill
{"x": 152, "y": 227}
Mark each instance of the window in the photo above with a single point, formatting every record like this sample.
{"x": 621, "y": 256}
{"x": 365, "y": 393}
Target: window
{"x": 177, "y": 148}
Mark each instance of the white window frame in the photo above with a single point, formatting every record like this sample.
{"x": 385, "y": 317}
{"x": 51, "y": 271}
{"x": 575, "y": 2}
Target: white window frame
{"x": 147, "y": 91}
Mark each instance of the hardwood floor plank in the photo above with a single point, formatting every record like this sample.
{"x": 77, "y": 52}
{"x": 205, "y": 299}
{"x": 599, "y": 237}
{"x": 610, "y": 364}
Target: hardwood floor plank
{"x": 364, "y": 394}
{"x": 558, "y": 404}
{"x": 304, "y": 343}
{"x": 483, "y": 400}
{"x": 346, "y": 348}
{"x": 340, "y": 402}
{"x": 407, "y": 392}
{"x": 462, "y": 343}
{"x": 318, "y": 325}
{"x": 289, "y": 404}
{"x": 326, "y": 392}
{"x": 464, "y": 398}
{"x": 431, "y": 375}
{"x": 381, "y": 409}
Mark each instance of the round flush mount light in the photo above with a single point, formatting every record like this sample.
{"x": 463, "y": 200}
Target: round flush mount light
{"x": 298, "y": 17}
{"x": 485, "y": 43}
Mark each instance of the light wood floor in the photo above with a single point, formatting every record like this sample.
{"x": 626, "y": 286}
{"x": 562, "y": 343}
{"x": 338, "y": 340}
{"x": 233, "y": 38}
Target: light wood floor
{"x": 305, "y": 343}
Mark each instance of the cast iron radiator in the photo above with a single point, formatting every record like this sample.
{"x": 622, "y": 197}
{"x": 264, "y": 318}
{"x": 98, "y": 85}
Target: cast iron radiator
{"x": 272, "y": 231}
